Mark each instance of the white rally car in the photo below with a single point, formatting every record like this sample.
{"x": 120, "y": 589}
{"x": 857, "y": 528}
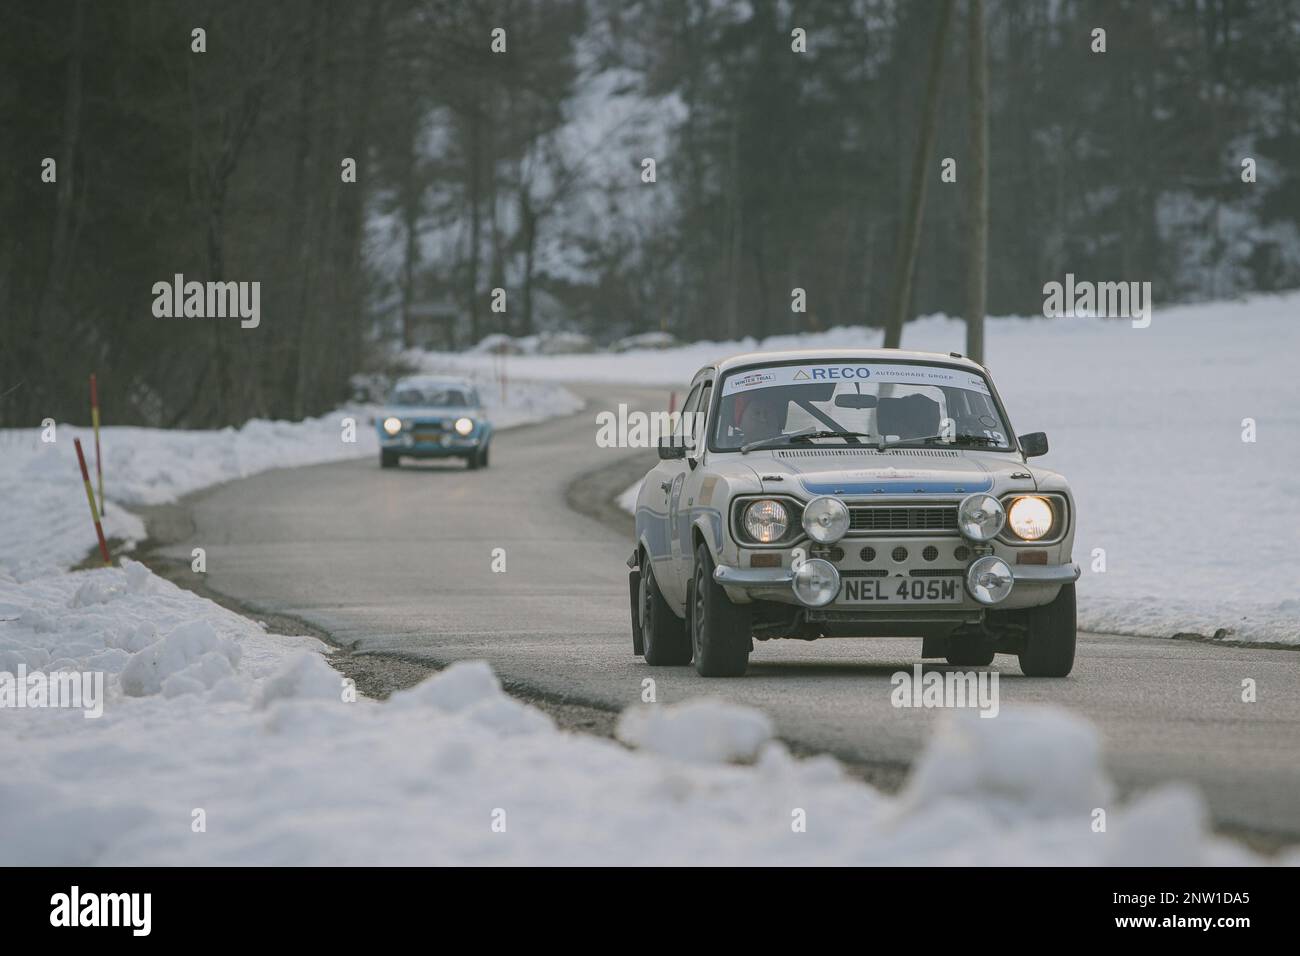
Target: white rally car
{"x": 851, "y": 493}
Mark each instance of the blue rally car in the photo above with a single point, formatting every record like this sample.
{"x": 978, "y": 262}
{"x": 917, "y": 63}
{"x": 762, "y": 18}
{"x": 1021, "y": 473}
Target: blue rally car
{"x": 432, "y": 417}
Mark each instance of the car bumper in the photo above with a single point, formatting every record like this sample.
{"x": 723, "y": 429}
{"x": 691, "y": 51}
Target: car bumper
{"x": 776, "y": 583}
{"x": 450, "y": 447}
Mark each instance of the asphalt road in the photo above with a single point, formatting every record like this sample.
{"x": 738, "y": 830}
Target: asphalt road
{"x": 399, "y": 562}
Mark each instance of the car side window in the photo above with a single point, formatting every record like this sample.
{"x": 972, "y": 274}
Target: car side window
{"x": 690, "y": 406}
{"x": 695, "y": 425}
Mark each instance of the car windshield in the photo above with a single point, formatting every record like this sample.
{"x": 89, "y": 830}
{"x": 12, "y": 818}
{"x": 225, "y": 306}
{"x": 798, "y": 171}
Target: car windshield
{"x": 427, "y": 396}
{"x": 874, "y": 403}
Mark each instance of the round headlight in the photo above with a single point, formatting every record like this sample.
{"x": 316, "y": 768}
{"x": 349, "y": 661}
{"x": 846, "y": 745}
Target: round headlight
{"x": 464, "y": 426}
{"x": 826, "y": 519}
{"x": 989, "y": 580}
{"x": 980, "y": 517}
{"x": 816, "y": 582}
{"x": 1030, "y": 517}
{"x": 392, "y": 425}
{"x": 766, "y": 521}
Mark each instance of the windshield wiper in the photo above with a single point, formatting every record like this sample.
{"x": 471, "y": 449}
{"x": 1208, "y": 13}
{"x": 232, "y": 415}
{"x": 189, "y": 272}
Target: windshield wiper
{"x": 942, "y": 439}
{"x": 807, "y": 434}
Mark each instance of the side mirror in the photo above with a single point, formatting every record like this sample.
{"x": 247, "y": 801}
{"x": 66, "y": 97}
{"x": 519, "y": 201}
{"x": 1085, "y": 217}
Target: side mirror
{"x": 1033, "y": 444}
{"x": 669, "y": 450}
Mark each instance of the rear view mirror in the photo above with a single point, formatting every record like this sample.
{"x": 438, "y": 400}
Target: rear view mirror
{"x": 855, "y": 401}
{"x": 1033, "y": 444}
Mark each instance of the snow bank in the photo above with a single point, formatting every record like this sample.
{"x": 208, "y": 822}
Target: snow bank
{"x": 221, "y": 744}
{"x": 701, "y": 731}
{"x": 45, "y": 523}
{"x": 1197, "y": 527}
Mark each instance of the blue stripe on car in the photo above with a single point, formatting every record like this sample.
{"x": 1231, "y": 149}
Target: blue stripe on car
{"x": 896, "y": 486}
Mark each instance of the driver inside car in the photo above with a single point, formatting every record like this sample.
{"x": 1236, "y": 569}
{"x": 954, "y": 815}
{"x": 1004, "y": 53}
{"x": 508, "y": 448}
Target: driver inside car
{"x": 760, "y": 415}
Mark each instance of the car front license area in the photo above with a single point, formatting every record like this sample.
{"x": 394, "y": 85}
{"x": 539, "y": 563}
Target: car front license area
{"x": 889, "y": 572}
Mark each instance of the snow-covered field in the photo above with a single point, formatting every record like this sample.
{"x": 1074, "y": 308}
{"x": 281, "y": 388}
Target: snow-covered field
{"x": 220, "y": 744}
{"x": 1198, "y": 527}
{"x": 45, "y": 522}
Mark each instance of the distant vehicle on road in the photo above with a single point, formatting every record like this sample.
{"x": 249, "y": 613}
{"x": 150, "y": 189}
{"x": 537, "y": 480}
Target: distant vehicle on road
{"x": 852, "y": 493}
{"x": 433, "y": 417}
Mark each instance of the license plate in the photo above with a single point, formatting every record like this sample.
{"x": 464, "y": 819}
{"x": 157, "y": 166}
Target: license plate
{"x": 900, "y": 591}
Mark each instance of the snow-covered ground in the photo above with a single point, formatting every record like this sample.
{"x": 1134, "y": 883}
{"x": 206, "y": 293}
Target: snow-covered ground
{"x": 221, "y": 744}
{"x": 208, "y": 719}
{"x": 1198, "y": 527}
{"x": 45, "y": 521}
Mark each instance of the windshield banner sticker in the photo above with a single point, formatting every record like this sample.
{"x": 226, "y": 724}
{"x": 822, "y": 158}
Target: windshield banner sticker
{"x": 856, "y": 372}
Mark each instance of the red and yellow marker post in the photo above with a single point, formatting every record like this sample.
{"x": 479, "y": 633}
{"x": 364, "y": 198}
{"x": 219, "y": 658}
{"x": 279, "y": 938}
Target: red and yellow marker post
{"x": 94, "y": 420}
{"x": 90, "y": 499}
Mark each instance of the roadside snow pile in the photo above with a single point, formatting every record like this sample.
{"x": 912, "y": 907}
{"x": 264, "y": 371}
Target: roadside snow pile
{"x": 220, "y": 744}
{"x": 1036, "y": 762}
{"x": 1185, "y": 525}
{"x": 700, "y": 731}
{"x": 626, "y": 499}
{"x": 45, "y": 523}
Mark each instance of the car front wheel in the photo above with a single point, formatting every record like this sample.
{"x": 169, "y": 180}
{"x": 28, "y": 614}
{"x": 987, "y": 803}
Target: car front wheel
{"x": 663, "y": 636}
{"x": 721, "y": 632}
{"x": 1049, "y": 645}
{"x": 388, "y": 459}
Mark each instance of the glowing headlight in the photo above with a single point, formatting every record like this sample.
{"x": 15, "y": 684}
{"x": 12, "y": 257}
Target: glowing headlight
{"x": 980, "y": 517}
{"x": 989, "y": 580}
{"x": 766, "y": 521}
{"x": 826, "y": 519}
{"x": 1030, "y": 517}
{"x": 464, "y": 426}
{"x": 392, "y": 425}
{"x": 816, "y": 582}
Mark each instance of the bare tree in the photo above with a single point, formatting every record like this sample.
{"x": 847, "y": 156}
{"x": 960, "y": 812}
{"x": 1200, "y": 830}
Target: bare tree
{"x": 978, "y": 183}
{"x": 910, "y": 232}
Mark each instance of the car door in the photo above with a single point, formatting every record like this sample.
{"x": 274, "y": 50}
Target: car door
{"x": 686, "y": 489}
{"x": 672, "y": 583}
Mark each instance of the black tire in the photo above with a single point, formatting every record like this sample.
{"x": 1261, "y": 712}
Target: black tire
{"x": 483, "y": 458}
{"x": 969, "y": 651}
{"x": 634, "y": 598}
{"x": 1049, "y": 645}
{"x": 663, "y": 634}
{"x": 721, "y": 632}
{"x": 387, "y": 459}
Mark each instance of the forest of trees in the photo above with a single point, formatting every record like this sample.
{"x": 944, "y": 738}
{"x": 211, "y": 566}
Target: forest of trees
{"x": 522, "y": 169}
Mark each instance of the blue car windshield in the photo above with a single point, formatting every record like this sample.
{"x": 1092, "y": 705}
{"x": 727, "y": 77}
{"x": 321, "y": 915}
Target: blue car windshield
{"x": 426, "y": 397}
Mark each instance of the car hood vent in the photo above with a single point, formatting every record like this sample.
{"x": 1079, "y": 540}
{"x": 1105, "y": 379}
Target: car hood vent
{"x": 887, "y": 453}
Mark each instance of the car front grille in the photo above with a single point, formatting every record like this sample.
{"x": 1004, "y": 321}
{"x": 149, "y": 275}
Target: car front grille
{"x": 428, "y": 431}
{"x": 884, "y": 519}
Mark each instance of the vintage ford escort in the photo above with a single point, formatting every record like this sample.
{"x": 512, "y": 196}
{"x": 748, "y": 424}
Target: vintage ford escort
{"x": 851, "y": 493}
{"x": 430, "y": 416}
